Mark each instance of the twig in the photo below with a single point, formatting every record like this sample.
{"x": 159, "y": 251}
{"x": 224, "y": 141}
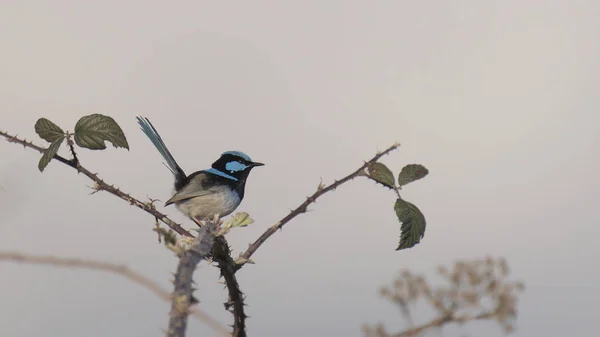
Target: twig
{"x": 243, "y": 258}
{"x": 228, "y": 267}
{"x": 476, "y": 290}
{"x": 113, "y": 268}
{"x": 397, "y": 190}
{"x": 189, "y": 259}
{"x": 75, "y": 160}
{"x": 101, "y": 185}
{"x": 235, "y": 303}
{"x": 438, "y": 322}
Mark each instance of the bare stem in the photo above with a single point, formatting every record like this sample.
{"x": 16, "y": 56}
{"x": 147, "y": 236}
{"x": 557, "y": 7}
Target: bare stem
{"x": 75, "y": 160}
{"x": 235, "y": 302}
{"x": 243, "y": 258}
{"x": 112, "y": 268}
{"x": 441, "y": 321}
{"x": 101, "y": 185}
{"x": 189, "y": 259}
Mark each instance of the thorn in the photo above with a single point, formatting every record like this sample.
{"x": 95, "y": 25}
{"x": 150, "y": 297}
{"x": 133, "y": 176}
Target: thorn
{"x": 241, "y": 260}
{"x": 321, "y": 185}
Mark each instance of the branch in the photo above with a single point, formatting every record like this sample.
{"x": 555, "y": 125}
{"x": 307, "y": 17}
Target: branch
{"x": 112, "y": 268}
{"x": 441, "y": 321}
{"x": 222, "y": 253}
{"x": 101, "y": 185}
{"x": 189, "y": 259}
{"x": 235, "y": 303}
{"x": 243, "y": 258}
{"x": 70, "y": 142}
{"x": 476, "y": 290}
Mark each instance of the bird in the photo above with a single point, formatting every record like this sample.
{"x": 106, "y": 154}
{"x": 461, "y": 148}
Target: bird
{"x": 209, "y": 193}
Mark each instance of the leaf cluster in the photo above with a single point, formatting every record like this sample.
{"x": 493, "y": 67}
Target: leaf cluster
{"x": 91, "y": 132}
{"x": 409, "y": 215}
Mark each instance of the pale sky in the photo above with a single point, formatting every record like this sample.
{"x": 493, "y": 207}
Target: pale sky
{"x": 498, "y": 99}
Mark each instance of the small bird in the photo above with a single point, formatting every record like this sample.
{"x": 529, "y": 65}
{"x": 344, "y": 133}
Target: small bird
{"x": 202, "y": 195}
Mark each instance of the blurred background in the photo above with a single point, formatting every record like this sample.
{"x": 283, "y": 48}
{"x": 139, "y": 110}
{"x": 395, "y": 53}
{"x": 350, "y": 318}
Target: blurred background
{"x": 499, "y": 100}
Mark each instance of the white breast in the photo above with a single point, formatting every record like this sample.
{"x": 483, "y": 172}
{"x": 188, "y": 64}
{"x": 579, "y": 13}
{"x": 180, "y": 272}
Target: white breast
{"x": 223, "y": 202}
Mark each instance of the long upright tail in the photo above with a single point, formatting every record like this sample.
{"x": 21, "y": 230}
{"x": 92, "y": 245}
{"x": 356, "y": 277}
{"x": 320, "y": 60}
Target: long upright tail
{"x": 154, "y": 137}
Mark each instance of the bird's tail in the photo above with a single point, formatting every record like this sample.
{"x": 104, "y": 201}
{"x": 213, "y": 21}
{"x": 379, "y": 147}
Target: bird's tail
{"x": 154, "y": 137}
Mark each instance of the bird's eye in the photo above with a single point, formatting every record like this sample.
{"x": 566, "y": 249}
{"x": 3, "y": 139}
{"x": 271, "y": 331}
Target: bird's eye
{"x": 235, "y": 166}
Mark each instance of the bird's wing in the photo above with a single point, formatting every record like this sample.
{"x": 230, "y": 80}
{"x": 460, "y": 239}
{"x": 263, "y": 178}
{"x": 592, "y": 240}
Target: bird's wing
{"x": 199, "y": 184}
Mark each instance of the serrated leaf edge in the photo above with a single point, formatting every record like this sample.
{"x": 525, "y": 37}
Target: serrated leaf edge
{"x": 48, "y": 130}
{"x": 405, "y": 231}
{"x": 412, "y": 179}
{"x": 96, "y": 139}
{"x": 383, "y": 170}
{"x": 49, "y": 153}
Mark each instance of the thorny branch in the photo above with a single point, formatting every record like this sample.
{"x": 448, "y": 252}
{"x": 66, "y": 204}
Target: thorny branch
{"x": 228, "y": 267}
{"x": 438, "y": 322}
{"x": 101, "y": 185}
{"x": 235, "y": 302}
{"x": 244, "y": 258}
{"x": 112, "y": 268}
{"x": 189, "y": 258}
{"x": 70, "y": 142}
{"x": 220, "y": 249}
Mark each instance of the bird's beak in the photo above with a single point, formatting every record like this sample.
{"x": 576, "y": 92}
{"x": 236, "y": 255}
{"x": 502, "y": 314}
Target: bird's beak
{"x": 257, "y": 164}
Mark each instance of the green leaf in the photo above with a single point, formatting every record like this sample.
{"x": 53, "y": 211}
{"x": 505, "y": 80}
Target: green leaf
{"x": 413, "y": 224}
{"x": 48, "y": 131}
{"x": 49, "y": 153}
{"x": 240, "y": 219}
{"x": 91, "y": 132}
{"x": 411, "y": 173}
{"x": 381, "y": 174}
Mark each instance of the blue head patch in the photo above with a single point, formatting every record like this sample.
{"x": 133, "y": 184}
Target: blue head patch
{"x": 235, "y": 166}
{"x": 238, "y": 154}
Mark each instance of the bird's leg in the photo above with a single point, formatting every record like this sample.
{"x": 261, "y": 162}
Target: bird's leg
{"x": 216, "y": 219}
{"x": 197, "y": 221}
